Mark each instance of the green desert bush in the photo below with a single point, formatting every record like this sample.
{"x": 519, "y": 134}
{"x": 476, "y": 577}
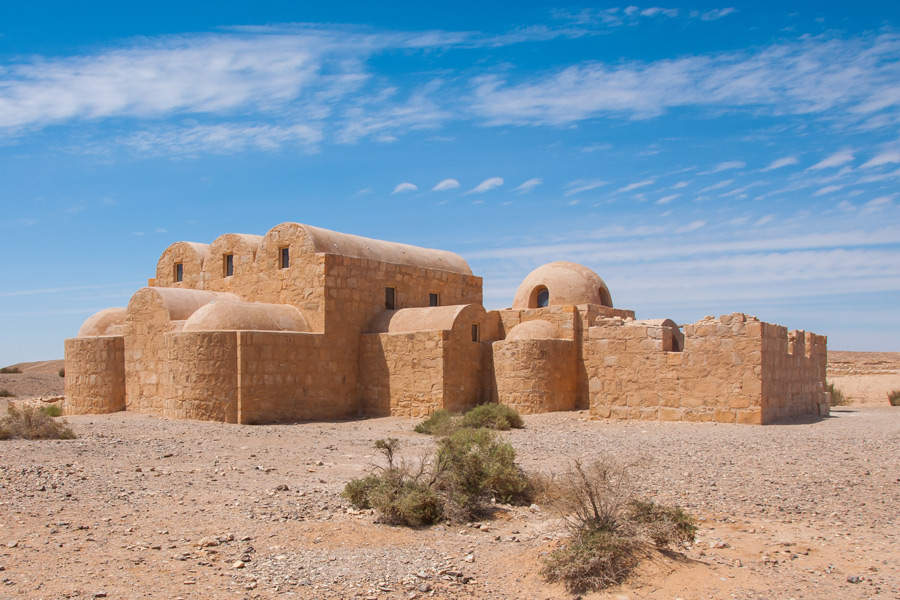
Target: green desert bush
{"x": 612, "y": 529}
{"x": 62, "y": 372}
{"x": 455, "y": 482}
{"x": 837, "y": 396}
{"x": 441, "y": 422}
{"x": 52, "y": 410}
{"x": 491, "y": 416}
{"x": 894, "y": 397}
{"x": 10, "y": 370}
{"x": 5, "y": 393}
{"x": 30, "y": 423}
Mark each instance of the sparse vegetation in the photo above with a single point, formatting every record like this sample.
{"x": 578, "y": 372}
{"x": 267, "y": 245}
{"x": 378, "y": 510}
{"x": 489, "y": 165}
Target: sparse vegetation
{"x": 5, "y": 393}
{"x": 894, "y": 397}
{"x": 491, "y": 416}
{"x": 456, "y": 482}
{"x": 441, "y": 422}
{"x": 62, "y": 372}
{"x": 52, "y": 410}
{"x": 837, "y": 396}
{"x": 612, "y": 529}
{"x": 10, "y": 370}
{"x": 30, "y": 423}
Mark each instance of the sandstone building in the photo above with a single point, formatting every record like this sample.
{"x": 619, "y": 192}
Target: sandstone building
{"x": 309, "y": 324}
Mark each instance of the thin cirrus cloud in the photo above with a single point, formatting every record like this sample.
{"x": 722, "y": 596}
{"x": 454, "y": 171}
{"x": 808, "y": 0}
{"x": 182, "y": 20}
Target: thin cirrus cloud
{"x": 405, "y": 187}
{"x": 446, "y": 184}
{"x": 779, "y": 163}
{"x": 885, "y": 158}
{"x": 583, "y": 185}
{"x": 636, "y": 185}
{"x": 725, "y": 166}
{"x": 850, "y": 78}
{"x": 834, "y": 160}
{"x": 529, "y": 185}
{"x": 486, "y": 185}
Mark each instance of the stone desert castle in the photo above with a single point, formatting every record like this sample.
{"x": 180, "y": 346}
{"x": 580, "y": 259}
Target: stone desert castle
{"x": 309, "y": 324}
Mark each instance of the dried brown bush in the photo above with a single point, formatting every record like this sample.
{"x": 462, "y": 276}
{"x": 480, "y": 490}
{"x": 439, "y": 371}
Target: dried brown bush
{"x": 30, "y": 423}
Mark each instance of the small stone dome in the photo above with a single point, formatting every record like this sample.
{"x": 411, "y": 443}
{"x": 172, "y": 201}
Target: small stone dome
{"x": 538, "y": 329}
{"x": 562, "y": 283}
{"x": 246, "y": 316}
{"x": 107, "y": 322}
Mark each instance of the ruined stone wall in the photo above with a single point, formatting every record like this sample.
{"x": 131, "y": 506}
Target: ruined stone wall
{"x": 536, "y": 375}
{"x": 201, "y": 374}
{"x": 402, "y": 374}
{"x": 287, "y": 376}
{"x": 793, "y": 373}
{"x": 95, "y": 375}
{"x": 718, "y": 376}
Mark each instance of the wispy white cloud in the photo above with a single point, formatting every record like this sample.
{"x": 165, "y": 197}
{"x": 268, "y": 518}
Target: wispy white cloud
{"x": 846, "y": 78}
{"x": 876, "y": 205}
{"x": 680, "y": 185}
{"x": 405, "y": 187}
{"x": 486, "y": 185}
{"x": 636, "y": 185}
{"x": 717, "y": 186}
{"x": 667, "y": 199}
{"x": 828, "y": 189}
{"x": 834, "y": 160}
{"x": 885, "y": 158}
{"x": 714, "y": 14}
{"x": 781, "y": 162}
{"x": 529, "y": 185}
{"x": 226, "y": 138}
{"x": 582, "y": 185}
{"x": 725, "y": 166}
{"x": 446, "y": 184}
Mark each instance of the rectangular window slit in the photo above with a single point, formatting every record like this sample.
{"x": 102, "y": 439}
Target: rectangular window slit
{"x": 475, "y": 332}
{"x": 434, "y": 300}
{"x": 285, "y": 258}
{"x": 179, "y": 272}
{"x": 229, "y": 265}
{"x": 390, "y": 298}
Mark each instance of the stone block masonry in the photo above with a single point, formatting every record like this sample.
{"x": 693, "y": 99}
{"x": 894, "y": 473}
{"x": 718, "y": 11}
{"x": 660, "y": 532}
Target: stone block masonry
{"x": 303, "y": 323}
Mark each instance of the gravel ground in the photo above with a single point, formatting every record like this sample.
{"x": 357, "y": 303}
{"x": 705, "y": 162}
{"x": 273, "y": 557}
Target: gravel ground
{"x": 139, "y": 507}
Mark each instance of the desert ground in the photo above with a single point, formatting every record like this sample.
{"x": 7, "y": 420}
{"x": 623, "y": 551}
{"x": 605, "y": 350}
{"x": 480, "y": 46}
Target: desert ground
{"x": 139, "y": 507}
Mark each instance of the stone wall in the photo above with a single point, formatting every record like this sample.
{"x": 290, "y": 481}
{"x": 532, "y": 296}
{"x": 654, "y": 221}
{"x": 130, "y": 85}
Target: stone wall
{"x": 287, "y": 376}
{"x": 402, "y": 374}
{"x": 95, "y": 375}
{"x": 793, "y": 380}
{"x": 536, "y": 375}
{"x": 201, "y": 376}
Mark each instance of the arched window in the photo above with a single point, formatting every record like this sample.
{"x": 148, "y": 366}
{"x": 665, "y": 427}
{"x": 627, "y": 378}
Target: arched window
{"x": 543, "y": 297}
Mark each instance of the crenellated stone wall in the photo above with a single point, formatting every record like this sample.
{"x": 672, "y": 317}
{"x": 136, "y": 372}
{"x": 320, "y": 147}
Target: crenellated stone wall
{"x": 95, "y": 375}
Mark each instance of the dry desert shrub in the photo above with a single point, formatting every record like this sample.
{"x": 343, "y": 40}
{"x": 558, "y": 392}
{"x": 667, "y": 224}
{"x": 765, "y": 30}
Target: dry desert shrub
{"x": 611, "y": 528}
{"x": 894, "y": 397}
{"x": 455, "y": 482}
{"x": 491, "y": 416}
{"x": 5, "y": 393}
{"x": 30, "y": 423}
{"x": 837, "y": 396}
{"x": 10, "y": 370}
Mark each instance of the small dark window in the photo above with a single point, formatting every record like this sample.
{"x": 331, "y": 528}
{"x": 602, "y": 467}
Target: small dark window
{"x": 434, "y": 300}
{"x": 285, "y": 258}
{"x": 390, "y": 298}
{"x": 179, "y": 272}
{"x": 543, "y": 297}
{"x": 229, "y": 265}
{"x": 475, "y": 332}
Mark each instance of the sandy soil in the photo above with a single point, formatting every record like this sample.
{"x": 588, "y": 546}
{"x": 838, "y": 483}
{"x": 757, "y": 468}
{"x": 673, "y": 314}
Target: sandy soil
{"x": 139, "y": 507}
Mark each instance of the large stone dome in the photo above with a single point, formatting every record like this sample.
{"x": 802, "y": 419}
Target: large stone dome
{"x": 562, "y": 283}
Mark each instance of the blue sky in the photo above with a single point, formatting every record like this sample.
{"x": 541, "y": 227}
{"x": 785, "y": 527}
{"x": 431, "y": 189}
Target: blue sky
{"x": 702, "y": 158}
